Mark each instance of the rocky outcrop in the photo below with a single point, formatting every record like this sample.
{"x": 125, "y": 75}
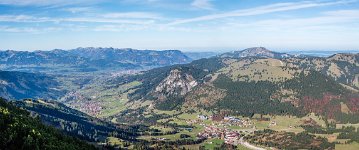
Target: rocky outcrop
{"x": 176, "y": 83}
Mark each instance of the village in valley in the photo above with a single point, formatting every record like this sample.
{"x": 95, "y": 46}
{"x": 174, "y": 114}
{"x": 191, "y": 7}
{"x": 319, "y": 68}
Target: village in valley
{"x": 220, "y": 129}
{"x": 213, "y": 129}
{"x": 230, "y": 129}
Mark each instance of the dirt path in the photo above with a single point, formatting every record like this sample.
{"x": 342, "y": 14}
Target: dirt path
{"x": 250, "y": 146}
{"x": 246, "y": 144}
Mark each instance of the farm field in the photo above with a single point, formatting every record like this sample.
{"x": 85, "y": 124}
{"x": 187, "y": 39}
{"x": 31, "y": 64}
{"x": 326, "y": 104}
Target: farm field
{"x": 339, "y": 126}
{"x": 211, "y": 144}
{"x": 351, "y": 146}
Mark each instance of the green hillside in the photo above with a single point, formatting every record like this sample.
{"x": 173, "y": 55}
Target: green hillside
{"x": 20, "y": 131}
{"x": 74, "y": 122}
{"x": 20, "y": 85}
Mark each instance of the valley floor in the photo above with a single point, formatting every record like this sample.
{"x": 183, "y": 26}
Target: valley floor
{"x": 242, "y": 132}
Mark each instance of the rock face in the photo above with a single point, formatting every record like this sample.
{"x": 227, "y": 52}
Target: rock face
{"x": 255, "y": 52}
{"x": 176, "y": 84}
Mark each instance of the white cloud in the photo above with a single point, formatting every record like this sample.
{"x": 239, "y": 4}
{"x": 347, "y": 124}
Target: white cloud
{"x": 333, "y": 19}
{"x": 120, "y": 28}
{"x": 32, "y": 30}
{"x": 23, "y": 18}
{"x": 133, "y": 15}
{"x": 78, "y": 9}
{"x": 202, "y": 4}
{"x": 30, "y": 19}
{"x": 46, "y": 2}
{"x": 104, "y": 20}
{"x": 343, "y": 13}
{"x": 279, "y": 7}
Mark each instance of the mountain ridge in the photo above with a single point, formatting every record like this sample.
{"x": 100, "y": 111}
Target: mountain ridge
{"x": 255, "y": 52}
{"x": 89, "y": 59}
{"x": 20, "y": 85}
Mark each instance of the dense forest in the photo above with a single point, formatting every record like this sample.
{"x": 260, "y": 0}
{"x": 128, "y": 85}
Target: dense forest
{"x": 289, "y": 140}
{"x": 314, "y": 84}
{"x": 316, "y": 93}
{"x": 20, "y": 131}
{"x": 248, "y": 98}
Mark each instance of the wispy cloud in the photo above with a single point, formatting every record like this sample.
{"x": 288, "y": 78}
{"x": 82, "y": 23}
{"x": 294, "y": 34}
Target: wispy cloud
{"x": 329, "y": 22}
{"x": 133, "y": 15}
{"x": 45, "y": 2}
{"x": 78, "y": 9}
{"x": 32, "y": 30}
{"x": 120, "y": 28}
{"x": 104, "y": 20}
{"x": 23, "y": 18}
{"x": 30, "y": 19}
{"x": 339, "y": 13}
{"x": 202, "y": 4}
{"x": 279, "y": 7}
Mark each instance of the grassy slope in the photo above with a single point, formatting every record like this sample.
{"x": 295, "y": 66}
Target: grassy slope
{"x": 351, "y": 146}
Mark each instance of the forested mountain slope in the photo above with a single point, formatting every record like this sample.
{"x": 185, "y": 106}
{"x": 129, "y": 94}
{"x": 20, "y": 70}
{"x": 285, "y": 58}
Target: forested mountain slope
{"x": 19, "y": 85}
{"x": 20, "y": 131}
{"x": 74, "y": 122}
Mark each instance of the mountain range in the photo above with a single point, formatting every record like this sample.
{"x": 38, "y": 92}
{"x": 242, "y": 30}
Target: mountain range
{"x": 89, "y": 59}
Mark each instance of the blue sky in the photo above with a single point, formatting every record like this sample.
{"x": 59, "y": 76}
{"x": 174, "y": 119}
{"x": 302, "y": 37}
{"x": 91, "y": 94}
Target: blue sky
{"x": 200, "y": 25}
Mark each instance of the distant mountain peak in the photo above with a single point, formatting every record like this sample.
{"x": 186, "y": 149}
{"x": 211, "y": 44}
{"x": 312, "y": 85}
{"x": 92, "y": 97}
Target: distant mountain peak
{"x": 349, "y": 57}
{"x": 255, "y": 52}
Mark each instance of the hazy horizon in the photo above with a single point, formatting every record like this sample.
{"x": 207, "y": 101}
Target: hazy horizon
{"x": 218, "y": 51}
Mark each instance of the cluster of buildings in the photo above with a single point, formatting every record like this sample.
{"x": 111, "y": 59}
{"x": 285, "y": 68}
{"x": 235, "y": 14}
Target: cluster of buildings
{"x": 224, "y": 120}
{"x": 120, "y": 73}
{"x": 230, "y": 137}
{"x": 202, "y": 117}
{"x": 91, "y": 108}
{"x": 233, "y": 121}
{"x": 272, "y": 123}
{"x": 159, "y": 139}
{"x": 84, "y": 104}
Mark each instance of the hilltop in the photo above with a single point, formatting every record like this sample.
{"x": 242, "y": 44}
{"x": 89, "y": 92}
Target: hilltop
{"x": 255, "y": 52}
